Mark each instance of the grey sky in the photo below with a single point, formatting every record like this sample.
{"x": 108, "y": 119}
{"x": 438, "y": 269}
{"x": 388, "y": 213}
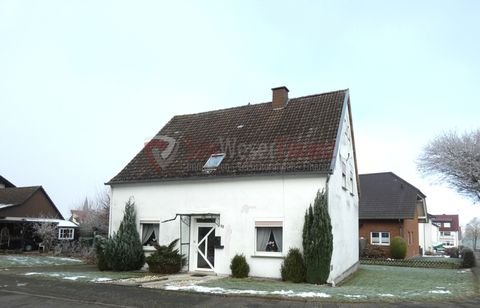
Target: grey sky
{"x": 84, "y": 83}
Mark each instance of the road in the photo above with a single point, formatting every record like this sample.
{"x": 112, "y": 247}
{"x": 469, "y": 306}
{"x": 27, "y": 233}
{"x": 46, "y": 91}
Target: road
{"x": 33, "y": 291}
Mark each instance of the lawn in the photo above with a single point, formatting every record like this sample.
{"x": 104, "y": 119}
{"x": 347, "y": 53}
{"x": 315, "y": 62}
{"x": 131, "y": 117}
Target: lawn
{"x": 90, "y": 276}
{"x": 370, "y": 282}
{"x": 51, "y": 267}
{"x": 28, "y": 261}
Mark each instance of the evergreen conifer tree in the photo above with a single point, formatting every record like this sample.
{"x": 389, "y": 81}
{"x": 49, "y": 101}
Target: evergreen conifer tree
{"x": 318, "y": 240}
{"x": 125, "y": 250}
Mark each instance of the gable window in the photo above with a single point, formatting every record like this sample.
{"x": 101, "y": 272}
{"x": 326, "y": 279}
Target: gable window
{"x": 447, "y": 225}
{"x": 214, "y": 161}
{"x": 380, "y": 238}
{"x": 344, "y": 174}
{"x": 65, "y": 233}
{"x": 269, "y": 237}
{"x": 150, "y": 233}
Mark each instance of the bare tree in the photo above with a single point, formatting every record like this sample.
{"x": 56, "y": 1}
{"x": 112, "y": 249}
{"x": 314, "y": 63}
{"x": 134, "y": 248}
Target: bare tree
{"x": 472, "y": 231}
{"x": 47, "y": 232}
{"x": 95, "y": 214}
{"x": 454, "y": 159}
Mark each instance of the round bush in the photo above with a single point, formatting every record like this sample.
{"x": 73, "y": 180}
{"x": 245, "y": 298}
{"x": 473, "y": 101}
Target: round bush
{"x": 239, "y": 266}
{"x": 398, "y": 248}
{"x": 468, "y": 258}
{"x": 293, "y": 267}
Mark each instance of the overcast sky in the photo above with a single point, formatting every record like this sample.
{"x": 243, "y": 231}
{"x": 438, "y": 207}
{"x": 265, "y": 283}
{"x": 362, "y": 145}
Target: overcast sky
{"x": 84, "y": 83}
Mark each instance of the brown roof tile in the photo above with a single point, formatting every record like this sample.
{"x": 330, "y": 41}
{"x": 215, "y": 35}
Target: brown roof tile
{"x": 255, "y": 138}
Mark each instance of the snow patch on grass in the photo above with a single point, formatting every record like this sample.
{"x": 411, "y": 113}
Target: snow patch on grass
{"x": 311, "y": 294}
{"x": 74, "y": 277}
{"x": 101, "y": 279}
{"x": 440, "y": 292}
{"x": 355, "y": 296}
{"x": 218, "y": 290}
{"x": 31, "y": 273}
{"x": 386, "y": 295}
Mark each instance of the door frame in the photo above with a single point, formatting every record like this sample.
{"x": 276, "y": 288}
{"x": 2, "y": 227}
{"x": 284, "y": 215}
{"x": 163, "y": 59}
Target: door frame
{"x": 194, "y": 249}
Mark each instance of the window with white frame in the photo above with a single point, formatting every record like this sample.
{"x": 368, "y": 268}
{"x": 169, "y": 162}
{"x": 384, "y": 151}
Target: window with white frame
{"x": 65, "y": 233}
{"x": 150, "y": 232}
{"x": 268, "y": 237}
{"x": 380, "y": 238}
{"x": 445, "y": 233}
{"x": 447, "y": 225}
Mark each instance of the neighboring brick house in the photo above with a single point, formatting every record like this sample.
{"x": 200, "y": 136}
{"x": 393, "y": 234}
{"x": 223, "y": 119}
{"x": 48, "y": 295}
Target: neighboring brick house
{"x": 389, "y": 207}
{"x": 449, "y": 229}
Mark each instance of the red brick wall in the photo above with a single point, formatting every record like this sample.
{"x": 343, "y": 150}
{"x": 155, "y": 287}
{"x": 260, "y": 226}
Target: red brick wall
{"x": 396, "y": 228}
{"x": 411, "y": 225}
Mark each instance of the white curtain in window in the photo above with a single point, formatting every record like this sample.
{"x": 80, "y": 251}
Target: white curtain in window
{"x": 277, "y": 233}
{"x": 148, "y": 230}
{"x": 263, "y": 234}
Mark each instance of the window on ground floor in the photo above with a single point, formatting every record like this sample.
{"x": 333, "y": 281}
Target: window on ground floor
{"x": 150, "y": 233}
{"x": 65, "y": 233}
{"x": 380, "y": 238}
{"x": 269, "y": 236}
{"x": 410, "y": 238}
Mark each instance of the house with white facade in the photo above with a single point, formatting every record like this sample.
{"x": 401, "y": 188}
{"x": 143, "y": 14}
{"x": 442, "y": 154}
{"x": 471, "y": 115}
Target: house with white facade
{"x": 449, "y": 229}
{"x": 428, "y": 233}
{"x": 239, "y": 180}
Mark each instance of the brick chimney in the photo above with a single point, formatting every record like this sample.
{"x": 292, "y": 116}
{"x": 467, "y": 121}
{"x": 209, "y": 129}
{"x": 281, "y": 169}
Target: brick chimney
{"x": 279, "y": 97}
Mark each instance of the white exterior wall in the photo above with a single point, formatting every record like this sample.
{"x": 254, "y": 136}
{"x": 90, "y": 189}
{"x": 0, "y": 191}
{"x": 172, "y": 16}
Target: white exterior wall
{"x": 343, "y": 208}
{"x": 428, "y": 236}
{"x": 239, "y": 202}
{"x": 452, "y": 238}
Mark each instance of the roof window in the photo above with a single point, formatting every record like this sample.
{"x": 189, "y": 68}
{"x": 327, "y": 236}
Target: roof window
{"x": 214, "y": 161}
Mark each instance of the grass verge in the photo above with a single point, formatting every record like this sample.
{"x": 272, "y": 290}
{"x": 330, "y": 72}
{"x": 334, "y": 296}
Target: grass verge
{"x": 369, "y": 283}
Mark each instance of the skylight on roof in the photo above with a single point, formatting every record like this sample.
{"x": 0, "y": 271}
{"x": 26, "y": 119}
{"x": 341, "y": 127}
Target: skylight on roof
{"x": 214, "y": 161}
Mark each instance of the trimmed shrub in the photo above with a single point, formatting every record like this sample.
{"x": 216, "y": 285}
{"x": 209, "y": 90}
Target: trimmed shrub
{"x": 239, "y": 266}
{"x": 293, "y": 267}
{"x": 398, "y": 248}
{"x": 376, "y": 252}
{"x": 166, "y": 259}
{"x": 318, "y": 240}
{"x": 469, "y": 260}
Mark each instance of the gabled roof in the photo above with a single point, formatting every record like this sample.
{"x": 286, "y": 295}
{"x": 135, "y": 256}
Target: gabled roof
{"x": 256, "y": 139}
{"x": 387, "y": 196}
{"x": 15, "y": 196}
{"x": 452, "y": 219}
{"x": 6, "y": 182}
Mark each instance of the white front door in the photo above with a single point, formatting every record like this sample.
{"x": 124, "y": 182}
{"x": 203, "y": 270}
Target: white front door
{"x": 204, "y": 246}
